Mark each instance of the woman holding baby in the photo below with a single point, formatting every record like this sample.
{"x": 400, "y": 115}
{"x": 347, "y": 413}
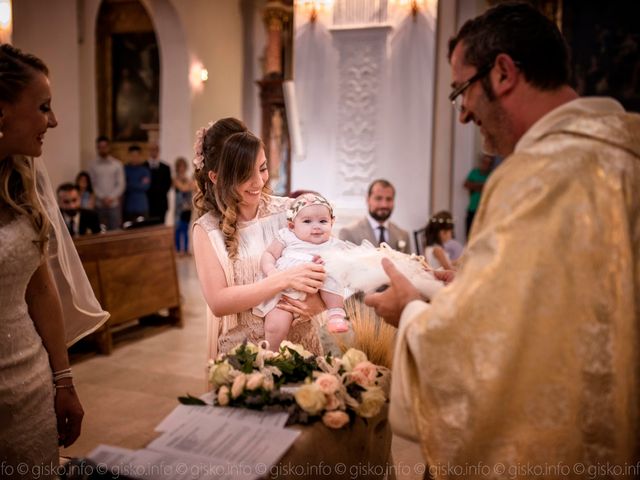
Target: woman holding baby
{"x": 238, "y": 220}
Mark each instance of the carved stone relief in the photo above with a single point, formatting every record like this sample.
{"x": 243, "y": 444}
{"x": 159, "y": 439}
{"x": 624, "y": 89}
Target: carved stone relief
{"x": 362, "y": 63}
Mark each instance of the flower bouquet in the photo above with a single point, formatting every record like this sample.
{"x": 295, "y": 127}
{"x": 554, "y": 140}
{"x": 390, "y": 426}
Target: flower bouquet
{"x": 293, "y": 380}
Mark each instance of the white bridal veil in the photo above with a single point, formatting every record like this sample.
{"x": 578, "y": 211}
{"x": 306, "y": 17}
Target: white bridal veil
{"x": 81, "y": 311}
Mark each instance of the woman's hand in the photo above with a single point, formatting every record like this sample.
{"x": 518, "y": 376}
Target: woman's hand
{"x": 69, "y": 415}
{"x": 307, "y": 278}
{"x": 306, "y": 309}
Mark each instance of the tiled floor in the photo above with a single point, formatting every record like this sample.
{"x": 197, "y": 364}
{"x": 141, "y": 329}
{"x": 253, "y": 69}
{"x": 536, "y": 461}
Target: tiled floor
{"x": 126, "y": 394}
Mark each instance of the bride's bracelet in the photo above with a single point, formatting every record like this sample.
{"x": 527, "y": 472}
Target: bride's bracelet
{"x": 60, "y": 374}
{"x": 70, "y": 385}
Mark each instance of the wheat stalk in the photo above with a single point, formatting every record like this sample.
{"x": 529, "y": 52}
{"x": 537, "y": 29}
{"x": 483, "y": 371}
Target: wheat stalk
{"x": 371, "y": 334}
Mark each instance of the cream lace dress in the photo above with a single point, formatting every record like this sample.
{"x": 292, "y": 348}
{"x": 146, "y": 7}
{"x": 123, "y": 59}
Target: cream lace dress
{"x": 28, "y": 434}
{"x": 254, "y": 237}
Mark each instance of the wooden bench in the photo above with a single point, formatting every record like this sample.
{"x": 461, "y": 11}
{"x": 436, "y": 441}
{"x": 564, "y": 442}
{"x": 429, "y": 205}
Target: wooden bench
{"x": 133, "y": 274}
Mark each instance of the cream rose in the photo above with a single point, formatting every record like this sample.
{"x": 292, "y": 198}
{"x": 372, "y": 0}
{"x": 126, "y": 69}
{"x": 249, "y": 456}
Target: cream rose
{"x": 335, "y": 419}
{"x": 250, "y": 347}
{"x": 255, "y": 381}
{"x": 296, "y": 348}
{"x": 364, "y": 373}
{"x": 351, "y": 358}
{"x": 328, "y": 383}
{"x": 220, "y": 374}
{"x": 371, "y": 402}
{"x": 238, "y": 385}
{"x": 268, "y": 384}
{"x": 223, "y": 396}
{"x": 310, "y": 398}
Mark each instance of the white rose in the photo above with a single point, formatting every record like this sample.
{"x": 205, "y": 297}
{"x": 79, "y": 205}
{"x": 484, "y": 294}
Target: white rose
{"x": 223, "y": 396}
{"x": 351, "y": 358}
{"x": 238, "y": 385}
{"x": 371, "y": 402}
{"x": 335, "y": 419}
{"x": 310, "y": 398}
{"x": 220, "y": 374}
{"x": 255, "y": 381}
{"x": 296, "y": 348}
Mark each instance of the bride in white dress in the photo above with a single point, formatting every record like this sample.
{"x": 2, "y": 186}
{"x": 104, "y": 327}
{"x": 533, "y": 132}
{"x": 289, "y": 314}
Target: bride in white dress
{"x": 39, "y": 408}
{"x": 239, "y": 219}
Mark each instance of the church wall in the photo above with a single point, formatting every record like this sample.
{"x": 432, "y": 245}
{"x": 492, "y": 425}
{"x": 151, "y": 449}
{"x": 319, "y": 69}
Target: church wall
{"x": 215, "y": 38}
{"x": 37, "y": 29}
{"x": 63, "y": 33}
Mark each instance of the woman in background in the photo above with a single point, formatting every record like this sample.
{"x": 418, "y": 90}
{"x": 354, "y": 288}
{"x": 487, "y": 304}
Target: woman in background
{"x": 87, "y": 197}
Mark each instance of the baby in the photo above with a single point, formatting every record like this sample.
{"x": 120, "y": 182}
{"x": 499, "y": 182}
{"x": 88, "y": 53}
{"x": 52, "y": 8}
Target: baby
{"x": 310, "y": 219}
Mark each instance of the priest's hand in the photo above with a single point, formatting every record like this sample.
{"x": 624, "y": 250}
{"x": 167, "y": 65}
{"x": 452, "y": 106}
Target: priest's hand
{"x": 390, "y": 303}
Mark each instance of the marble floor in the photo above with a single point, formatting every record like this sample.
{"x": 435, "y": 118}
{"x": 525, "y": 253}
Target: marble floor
{"x": 126, "y": 394}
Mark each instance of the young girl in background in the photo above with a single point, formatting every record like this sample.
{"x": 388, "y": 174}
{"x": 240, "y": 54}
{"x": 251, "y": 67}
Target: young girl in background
{"x": 183, "y": 185}
{"x": 439, "y": 231}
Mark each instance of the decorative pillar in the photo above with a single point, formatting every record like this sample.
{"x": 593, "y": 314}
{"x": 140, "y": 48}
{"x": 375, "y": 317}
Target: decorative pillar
{"x": 277, "y": 17}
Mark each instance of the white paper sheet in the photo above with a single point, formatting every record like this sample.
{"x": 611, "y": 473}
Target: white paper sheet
{"x": 183, "y": 413}
{"x": 227, "y": 440}
{"x": 152, "y": 465}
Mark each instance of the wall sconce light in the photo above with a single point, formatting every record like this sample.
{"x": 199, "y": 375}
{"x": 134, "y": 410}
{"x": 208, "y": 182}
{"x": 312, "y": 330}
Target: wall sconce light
{"x": 6, "y": 21}
{"x": 198, "y": 75}
{"x": 314, "y": 7}
{"x": 415, "y": 5}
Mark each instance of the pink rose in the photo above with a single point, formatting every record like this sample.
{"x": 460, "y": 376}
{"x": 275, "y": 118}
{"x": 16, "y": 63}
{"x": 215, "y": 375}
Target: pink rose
{"x": 364, "y": 374}
{"x": 329, "y": 384}
{"x": 335, "y": 419}
{"x": 332, "y": 402}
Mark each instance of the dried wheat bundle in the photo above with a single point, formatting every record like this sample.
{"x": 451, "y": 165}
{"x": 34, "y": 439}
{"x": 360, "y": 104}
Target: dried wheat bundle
{"x": 371, "y": 334}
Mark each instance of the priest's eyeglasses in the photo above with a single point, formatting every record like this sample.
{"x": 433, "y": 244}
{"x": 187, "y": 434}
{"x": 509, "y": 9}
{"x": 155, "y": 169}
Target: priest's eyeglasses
{"x": 455, "y": 97}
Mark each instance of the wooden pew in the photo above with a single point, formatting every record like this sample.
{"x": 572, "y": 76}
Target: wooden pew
{"x": 133, "y": 274}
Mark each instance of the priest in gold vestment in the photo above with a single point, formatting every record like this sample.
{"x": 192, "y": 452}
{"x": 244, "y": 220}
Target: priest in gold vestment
{"x": 527, "y": 365}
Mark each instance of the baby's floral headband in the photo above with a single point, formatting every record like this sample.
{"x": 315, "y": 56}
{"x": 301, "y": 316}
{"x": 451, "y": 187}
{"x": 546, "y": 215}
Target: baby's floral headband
{"x": 198, "y": 160}
{"x": 306, "y": 200}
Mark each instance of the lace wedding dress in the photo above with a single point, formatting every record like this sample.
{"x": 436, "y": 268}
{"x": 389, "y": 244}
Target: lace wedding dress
{"x": 28, "y": 434}
{"x": 254, "y": 237}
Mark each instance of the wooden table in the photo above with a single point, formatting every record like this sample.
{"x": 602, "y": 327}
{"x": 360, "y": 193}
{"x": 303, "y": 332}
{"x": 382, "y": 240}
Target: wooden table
{"x": 133, "y": 274}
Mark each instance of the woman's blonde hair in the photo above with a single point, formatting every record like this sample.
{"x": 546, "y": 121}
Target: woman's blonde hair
{"x": 18, "y": 189}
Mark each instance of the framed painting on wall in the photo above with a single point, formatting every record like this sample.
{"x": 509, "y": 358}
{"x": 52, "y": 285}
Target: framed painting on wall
{"x": 135, "y": 79}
